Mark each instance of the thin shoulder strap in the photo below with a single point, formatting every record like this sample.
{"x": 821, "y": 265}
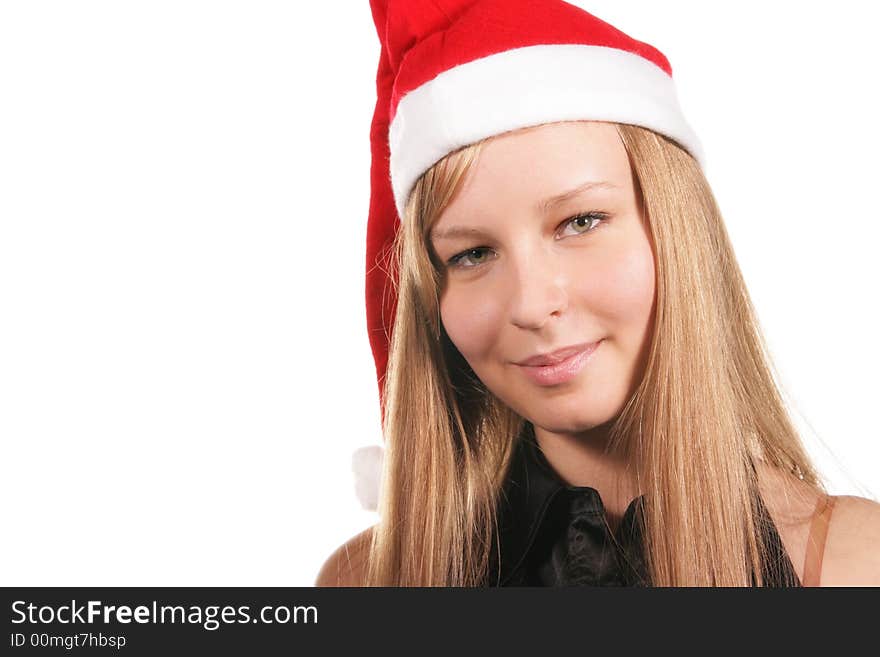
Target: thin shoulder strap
{"x": 816, "y": 541}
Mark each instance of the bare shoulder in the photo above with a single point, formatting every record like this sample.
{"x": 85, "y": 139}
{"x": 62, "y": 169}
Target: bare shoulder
{"x": 852, "y": 555}
{"x": 347, "y": 566}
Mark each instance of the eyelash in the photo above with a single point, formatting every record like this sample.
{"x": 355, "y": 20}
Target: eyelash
{"x": 599, "y": 217}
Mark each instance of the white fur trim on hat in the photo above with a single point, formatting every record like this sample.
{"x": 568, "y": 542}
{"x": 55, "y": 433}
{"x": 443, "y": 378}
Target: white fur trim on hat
{"x": 524, "y": 87}
{"x": 366, "y": 464}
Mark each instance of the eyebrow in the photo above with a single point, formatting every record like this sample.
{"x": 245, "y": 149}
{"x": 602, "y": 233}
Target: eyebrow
{"x": 542, "y": 207}
{"x": 548, "y": 204}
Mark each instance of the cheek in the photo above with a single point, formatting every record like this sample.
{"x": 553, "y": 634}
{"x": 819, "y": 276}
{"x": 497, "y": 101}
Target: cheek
{"x": 622, "y": 289}
{"x": 472, "y": 321}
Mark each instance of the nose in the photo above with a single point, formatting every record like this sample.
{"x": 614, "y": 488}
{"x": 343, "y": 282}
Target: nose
{"x": 538, "y": 288}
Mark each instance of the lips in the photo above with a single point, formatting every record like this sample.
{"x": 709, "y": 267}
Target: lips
{"x": 558, "y": 356}
{"x": 559, "y": 367}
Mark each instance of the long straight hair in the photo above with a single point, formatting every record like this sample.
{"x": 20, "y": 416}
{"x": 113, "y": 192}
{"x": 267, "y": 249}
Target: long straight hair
{"x": 707, "y": 408}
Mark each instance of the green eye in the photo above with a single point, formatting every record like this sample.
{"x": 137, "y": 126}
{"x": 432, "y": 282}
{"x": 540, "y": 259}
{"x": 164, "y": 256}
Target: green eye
{"x": 455, "y": 260}
{"x": 587, "y": 222}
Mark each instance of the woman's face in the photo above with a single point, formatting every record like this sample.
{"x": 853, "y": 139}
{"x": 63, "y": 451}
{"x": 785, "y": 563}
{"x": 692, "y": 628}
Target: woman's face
{"x": 524, "y": 277}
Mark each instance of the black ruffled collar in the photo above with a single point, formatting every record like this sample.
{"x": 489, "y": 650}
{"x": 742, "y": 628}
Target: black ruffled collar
{"x": 554, "y": 534}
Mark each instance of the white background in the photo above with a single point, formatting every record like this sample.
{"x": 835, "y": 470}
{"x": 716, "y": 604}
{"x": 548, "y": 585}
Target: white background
{"x": 184, "y": 187}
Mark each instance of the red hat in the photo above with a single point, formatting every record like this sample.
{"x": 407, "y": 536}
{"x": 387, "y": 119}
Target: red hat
{"x": 453, "y": 72}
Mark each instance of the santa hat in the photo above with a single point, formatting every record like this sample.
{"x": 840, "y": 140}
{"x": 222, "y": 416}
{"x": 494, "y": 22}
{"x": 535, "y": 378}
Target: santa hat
{"x": 453, "y": 72}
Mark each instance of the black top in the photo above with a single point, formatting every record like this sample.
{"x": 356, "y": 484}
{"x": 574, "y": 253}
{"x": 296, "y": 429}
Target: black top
{"x": 553, "y": 534}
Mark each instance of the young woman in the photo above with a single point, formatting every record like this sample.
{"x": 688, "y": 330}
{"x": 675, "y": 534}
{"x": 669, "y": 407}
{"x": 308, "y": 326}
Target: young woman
{"x": 576, "y": 389}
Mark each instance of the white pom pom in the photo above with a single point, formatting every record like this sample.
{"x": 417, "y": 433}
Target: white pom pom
{"x": 366, "y": 464}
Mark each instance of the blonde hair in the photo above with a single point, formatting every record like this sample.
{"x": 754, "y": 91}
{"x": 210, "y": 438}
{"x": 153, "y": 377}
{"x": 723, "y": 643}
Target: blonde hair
{"x": 706, "y": 408}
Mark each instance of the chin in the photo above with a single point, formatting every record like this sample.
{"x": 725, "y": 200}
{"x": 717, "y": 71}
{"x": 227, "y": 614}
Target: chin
{"x": 576, "y": 421}
{"x": 563, "y": 427}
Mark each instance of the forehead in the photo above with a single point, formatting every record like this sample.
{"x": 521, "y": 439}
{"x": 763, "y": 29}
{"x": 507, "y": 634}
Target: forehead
{"x": 524, "y": 167}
